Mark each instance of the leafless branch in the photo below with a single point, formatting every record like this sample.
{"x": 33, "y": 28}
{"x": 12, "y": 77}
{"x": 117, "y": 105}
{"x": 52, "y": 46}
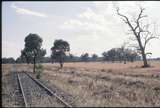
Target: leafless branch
{"x": 138, "y": 26}
{"x": 126, "y": 20}
{"x": 134, "y": 46}
{"x": 148, "y": 39}
{"x": 140, "y": 31}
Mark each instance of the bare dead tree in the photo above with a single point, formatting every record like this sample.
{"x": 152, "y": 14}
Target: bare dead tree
{"x": 141, "y": 32}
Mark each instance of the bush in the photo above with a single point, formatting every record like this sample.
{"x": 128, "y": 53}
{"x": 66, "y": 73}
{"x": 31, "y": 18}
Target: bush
{"x": 39, "y": 70}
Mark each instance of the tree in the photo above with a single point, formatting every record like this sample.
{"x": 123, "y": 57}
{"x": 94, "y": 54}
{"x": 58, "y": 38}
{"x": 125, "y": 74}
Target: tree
{"x": 40, "y": 55}
{"x": 123, "y": 52}
{"x": 71, "y": 56}
{"x": 105, "y": 56}
{"x": 32, "y": 49}
{"x": 141, "y": 31}
{"x": 85, "y": 57}
{"x": 26, "y": 56}
{"x": 112, "y": 54}
{"x": 20, "y": 60}
{"x": 59, "y": 49}
{"x": 119, "y": 54}
{"x": 53, "y": 56}
{"x": 94, "y": 57}
{"x": 133, "y": 56}
{"x": 8, "y": 60}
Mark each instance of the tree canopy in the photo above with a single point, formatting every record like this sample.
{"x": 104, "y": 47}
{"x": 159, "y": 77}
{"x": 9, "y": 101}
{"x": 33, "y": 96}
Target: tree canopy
{"x": 120, "y": 54}
{"x": 85, "y": 57}
{"x": 32, "y": 50}
{"x": 59, "y": 49}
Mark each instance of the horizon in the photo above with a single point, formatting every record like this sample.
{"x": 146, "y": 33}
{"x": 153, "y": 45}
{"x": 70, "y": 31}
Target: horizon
{"x": 91, "y": 27}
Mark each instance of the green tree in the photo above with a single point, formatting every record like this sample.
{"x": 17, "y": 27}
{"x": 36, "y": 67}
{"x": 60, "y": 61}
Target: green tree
{"x": 59, "y": 49}
{"x": 20, "y": 60}
{"x": 26, "y": 56}
{"x": 112, "y": 54}
{"x": 105, "y": 56}
{"x": 119, "y": 54}
{"x": 94, "y": 57}
{"x": 8, "y": 60}
{"x": 71, "y": 56}
{"x": 85, "y": 57}
{"x": 131, "y": 55}
{"x": 32, "y": 49}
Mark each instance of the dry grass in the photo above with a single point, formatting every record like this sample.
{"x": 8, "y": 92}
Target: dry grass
{"x": 105, "y": 84}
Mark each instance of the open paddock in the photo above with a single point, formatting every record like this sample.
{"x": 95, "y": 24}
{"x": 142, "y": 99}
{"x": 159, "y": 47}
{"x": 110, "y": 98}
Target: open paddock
{"x": 101, "y": 84}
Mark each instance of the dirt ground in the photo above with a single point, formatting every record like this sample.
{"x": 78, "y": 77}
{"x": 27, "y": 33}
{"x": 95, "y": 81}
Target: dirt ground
{"x": 102, "y": 84}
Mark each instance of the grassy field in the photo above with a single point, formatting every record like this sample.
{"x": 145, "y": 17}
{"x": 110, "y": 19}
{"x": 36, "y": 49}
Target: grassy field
{"x": 102, "y": 84}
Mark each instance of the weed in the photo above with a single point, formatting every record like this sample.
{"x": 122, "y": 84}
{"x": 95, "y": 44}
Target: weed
{"x": 39, "y": 70}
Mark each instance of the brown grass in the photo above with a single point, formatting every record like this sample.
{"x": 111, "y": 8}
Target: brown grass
{"x": 104, "y": 84}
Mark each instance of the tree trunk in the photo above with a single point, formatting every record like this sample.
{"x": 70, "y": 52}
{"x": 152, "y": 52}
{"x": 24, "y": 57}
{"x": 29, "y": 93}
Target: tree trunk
{"x": 61, "y": 64}
{"x": 125, "y": 60}
{"x": 27, "y": 60}
{"x": 34, "y": 65}
{"x": 145, "y": 64}
{"x": 61, "y": 60}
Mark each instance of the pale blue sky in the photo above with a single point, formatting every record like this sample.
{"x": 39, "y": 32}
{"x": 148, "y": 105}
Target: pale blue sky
{"x": 90, "y": 27}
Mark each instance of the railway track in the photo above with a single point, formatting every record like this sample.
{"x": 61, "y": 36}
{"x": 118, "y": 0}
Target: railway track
{"x": 36, "y": 94}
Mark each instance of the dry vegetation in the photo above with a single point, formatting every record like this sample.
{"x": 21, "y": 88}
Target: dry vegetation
{"x": 103, "y": 84}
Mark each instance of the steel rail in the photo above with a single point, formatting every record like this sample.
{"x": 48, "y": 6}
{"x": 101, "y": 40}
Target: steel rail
{"x": 21, "y": 88}
{"x": 49, "y": 91}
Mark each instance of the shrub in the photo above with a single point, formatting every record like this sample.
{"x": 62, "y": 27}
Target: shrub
{"x": 39, "y": 70}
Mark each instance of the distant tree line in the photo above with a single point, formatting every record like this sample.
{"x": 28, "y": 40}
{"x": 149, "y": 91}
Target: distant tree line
{"x": 112, "y": 55}
{"x": 8, "y": 60}
{"x": 66, "y": 58}
{"x": 69, "y": 58}
{"x": 121, "y": 55}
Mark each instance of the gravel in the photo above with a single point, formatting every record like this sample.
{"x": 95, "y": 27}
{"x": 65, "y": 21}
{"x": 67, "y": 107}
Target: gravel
{"x": 35, "y": 95}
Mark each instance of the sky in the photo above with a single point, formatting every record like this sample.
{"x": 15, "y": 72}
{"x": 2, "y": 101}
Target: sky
{"x": 88, "y": 26}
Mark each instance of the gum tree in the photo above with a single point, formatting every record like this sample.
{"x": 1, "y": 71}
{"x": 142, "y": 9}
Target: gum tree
{"x": 59, "y": 49}
{"x": 32, "y": 49}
